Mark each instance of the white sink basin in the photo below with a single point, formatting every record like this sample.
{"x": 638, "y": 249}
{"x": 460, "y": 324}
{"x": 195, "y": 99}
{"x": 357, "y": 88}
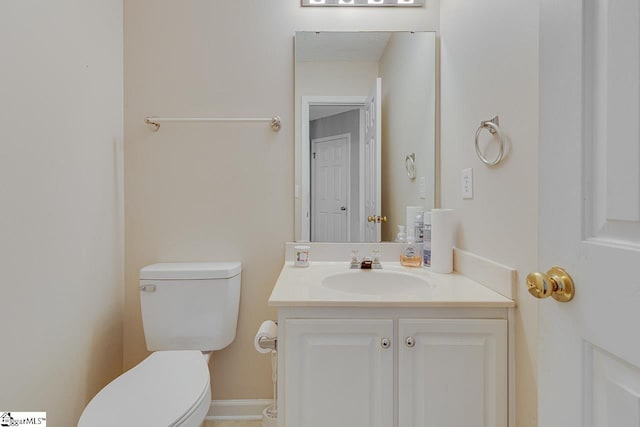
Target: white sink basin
{"x": 375, "y": 282}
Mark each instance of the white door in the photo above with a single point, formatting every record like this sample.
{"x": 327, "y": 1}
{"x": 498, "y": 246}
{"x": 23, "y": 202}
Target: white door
{"x": 337, "y": 373}
{"x": 330, "y": 188}
{"x": 373, "y": 162}
{"x": 452, "y": 373}
{"x": 589, "y": 348}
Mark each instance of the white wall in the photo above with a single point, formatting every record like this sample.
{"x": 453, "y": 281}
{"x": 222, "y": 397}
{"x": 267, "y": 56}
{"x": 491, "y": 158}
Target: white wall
{"x": 489, "y": 66}
{"x": 61, "y": 105}
{"x": 407, "y": 68}
{"x": 220, "y": 191}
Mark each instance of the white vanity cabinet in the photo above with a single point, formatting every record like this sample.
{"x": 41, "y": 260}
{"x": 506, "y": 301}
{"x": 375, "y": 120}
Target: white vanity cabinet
{"x": 386, "y": 368}
{"x": 396, "y": 347}
{"x": 452, "y": 372}
{"x": 339, "y": 372}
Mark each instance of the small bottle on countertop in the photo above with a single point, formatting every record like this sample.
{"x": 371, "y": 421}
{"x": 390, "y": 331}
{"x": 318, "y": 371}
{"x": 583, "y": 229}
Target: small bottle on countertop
{"x": 411, "y": 255}
{"x": 426, "y": 245}
{"x": 419, "y": 227}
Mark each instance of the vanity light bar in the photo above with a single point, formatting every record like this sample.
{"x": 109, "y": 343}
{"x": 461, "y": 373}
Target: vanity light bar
{"x": 410, "y": 3}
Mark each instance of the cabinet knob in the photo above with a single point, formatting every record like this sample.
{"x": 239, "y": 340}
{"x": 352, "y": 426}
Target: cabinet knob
{"x": 410, "y": 341}
{"x": 385, "y": 343}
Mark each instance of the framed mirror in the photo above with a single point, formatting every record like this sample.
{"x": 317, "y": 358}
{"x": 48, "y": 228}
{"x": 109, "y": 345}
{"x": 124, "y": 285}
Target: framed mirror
{"x": 365, "y": 132}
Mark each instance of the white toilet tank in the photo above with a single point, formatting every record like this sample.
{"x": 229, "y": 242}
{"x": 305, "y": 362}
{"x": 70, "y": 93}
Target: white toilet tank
{"x": 190, "y": 306}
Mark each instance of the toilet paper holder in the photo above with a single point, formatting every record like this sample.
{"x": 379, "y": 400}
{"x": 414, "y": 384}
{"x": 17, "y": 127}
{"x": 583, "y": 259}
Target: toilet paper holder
{"x": 266, "y": 340}
{"x": 268, "y": 343}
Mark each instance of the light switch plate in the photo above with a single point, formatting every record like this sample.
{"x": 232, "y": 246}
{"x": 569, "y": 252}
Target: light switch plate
{"x": 467, "y": 183}
{"x": 422, "y": 187}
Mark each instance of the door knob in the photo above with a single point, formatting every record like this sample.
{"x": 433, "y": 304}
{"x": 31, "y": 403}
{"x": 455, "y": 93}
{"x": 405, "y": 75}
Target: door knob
{"x": 343, "y": 208}
{"x": 556, "y": 283}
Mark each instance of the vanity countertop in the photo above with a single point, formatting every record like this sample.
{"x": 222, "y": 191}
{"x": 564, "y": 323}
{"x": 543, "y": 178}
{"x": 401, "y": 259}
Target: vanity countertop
{"x": 302, "y": 287}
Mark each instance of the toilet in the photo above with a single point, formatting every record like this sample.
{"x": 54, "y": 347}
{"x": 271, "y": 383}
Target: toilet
{"x": 188, "y": 310}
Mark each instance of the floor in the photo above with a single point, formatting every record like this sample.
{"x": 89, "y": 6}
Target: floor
{"x": 232, "y": 424}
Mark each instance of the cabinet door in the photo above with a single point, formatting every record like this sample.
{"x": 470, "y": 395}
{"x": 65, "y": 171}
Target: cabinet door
{"x": 338, "y": 373}
{"x": 453, "y": 374}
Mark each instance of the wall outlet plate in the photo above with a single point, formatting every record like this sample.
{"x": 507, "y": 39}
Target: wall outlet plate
{"x": 467, "y": 183}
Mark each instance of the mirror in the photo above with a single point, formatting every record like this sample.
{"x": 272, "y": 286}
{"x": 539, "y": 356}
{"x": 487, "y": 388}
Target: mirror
{"x": 365, "y": 132}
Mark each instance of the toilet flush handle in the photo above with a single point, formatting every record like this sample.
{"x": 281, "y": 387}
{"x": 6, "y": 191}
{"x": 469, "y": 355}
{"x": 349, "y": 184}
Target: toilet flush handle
{"x": 148, "y": 288}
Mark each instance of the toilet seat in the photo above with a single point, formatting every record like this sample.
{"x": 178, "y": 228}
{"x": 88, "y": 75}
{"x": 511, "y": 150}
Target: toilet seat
{"x": 168, "y": 388}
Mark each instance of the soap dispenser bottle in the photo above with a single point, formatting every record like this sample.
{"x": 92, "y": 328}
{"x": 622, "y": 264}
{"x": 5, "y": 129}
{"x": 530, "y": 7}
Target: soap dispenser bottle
{"x": 411, "y": 255}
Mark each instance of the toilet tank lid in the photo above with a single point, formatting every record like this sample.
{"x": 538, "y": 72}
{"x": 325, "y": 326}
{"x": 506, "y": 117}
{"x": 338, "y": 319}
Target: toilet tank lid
{"x": 190, "y": 270}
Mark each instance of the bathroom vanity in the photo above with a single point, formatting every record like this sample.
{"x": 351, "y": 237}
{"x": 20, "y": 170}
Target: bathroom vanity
{"x": 393, "y": 347}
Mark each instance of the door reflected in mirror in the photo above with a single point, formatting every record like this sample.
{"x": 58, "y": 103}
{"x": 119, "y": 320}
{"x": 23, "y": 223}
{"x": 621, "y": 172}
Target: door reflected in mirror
{"x": 366, "y": 101}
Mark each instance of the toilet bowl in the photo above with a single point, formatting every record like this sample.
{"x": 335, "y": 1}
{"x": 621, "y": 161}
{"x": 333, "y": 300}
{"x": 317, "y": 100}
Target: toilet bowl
{"x": 188, "y": 310}
{"x": 168, "y": 388}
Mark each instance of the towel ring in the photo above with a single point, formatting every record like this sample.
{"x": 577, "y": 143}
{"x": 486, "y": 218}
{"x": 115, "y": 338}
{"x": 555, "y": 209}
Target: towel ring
{"x": 410, "y": 166}
{"x": 492, "y": 126}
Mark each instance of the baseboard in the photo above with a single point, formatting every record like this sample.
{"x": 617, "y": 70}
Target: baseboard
{"x": 237, "y": 410}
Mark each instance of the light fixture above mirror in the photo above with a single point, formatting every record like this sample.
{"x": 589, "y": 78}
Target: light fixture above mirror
{"x": 402, "y": 3}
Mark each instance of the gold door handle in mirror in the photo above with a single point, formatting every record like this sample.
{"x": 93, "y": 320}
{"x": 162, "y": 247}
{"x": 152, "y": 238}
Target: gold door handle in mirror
{"x": 556, "y": 283}
{"x": 377, "y": 218}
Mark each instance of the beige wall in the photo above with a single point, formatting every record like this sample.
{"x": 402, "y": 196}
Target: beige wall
{"x": 220, "y": 191}
{"x": 407, "y": 68}
{"x": 61, "y": 169}
{"x": 489, "y": 54}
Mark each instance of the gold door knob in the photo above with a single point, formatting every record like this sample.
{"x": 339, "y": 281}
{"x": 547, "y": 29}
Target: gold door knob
{"x": 377, "y": 218}
{"x": 556, "y": 283}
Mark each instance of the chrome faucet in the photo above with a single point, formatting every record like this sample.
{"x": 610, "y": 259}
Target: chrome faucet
{"x": 376, "y": 260}
{"x": 355, "y": 263}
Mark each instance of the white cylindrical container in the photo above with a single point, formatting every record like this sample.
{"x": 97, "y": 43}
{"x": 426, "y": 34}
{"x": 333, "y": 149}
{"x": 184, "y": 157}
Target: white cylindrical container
{"x": 301, "y": 256}
{"x": 443, "y": 239}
